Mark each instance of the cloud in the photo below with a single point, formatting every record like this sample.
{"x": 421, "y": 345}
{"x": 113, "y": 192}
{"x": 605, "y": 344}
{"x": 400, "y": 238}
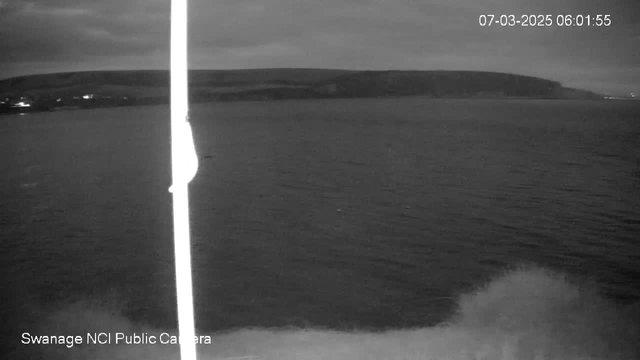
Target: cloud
{"x": 375, "y": 34}
{"x": 68, "y": 33}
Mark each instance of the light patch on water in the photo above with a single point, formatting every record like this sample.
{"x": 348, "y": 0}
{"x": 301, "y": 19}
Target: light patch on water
{"x": 31, "y": 168}
{"x": 527, "y": 313}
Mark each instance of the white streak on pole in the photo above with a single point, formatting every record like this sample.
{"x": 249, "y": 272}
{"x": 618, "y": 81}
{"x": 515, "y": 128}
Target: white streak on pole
{"x": 180, "y": 145}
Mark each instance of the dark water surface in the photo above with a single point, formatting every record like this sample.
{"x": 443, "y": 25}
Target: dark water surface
{"x": 340, "y": 214}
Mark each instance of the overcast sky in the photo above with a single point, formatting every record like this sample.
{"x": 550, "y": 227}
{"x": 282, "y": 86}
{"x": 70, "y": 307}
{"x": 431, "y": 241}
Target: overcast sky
{"x": 42, "y": 36}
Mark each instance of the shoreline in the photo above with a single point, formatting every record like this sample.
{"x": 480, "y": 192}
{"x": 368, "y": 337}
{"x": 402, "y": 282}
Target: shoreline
{"x": 32, "y": 110}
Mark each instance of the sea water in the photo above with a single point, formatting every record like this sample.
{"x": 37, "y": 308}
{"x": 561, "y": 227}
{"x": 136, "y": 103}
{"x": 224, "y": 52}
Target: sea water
{"x": 343, "y": 217}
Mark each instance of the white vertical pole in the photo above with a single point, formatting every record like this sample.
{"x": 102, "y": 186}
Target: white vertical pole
{"x": 182, "y": 152}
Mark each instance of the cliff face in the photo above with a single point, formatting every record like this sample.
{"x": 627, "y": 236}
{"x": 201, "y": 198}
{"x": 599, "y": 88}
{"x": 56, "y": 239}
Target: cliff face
{"x": 441, "y": 84}
{"x": 118, "y": 88}
{"x": 437, "y": 84}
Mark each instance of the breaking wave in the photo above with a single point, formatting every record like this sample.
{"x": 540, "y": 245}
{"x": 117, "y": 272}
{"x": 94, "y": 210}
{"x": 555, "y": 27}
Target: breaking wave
{"x": 526, "y": 313}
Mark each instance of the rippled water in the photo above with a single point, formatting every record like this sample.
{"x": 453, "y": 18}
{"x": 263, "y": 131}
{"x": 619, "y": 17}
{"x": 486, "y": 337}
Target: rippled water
{"x": 340, "y": 214}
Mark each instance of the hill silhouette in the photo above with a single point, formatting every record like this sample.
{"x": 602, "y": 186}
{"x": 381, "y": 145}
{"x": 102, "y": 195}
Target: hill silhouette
{"x": 137, "y": 87}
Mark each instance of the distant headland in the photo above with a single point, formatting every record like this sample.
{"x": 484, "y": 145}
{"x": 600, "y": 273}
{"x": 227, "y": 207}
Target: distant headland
{"x": 93, "y": 89}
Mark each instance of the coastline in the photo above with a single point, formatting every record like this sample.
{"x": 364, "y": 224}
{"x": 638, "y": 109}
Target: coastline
{"x": 100, "y": 89}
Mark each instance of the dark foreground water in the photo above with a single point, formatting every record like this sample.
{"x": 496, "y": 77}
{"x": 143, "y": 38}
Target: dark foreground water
{"x": 367, "y": 214}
